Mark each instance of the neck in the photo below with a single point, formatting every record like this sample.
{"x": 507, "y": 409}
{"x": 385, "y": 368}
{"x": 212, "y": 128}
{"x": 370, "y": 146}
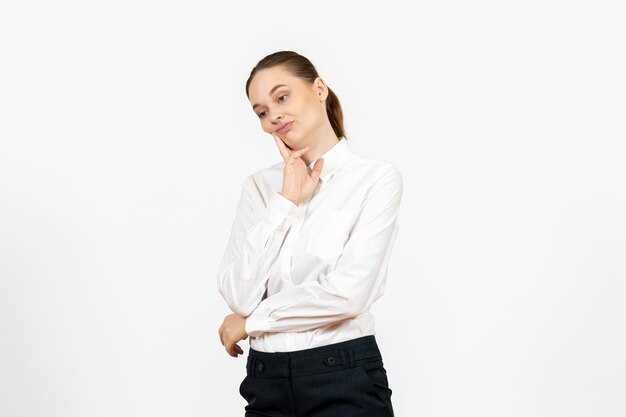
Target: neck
{"x": 319, "y": 143}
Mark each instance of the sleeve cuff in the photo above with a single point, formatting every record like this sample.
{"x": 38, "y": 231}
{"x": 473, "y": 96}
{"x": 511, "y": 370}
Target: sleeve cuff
{"x": 256, "y": 325}
{"x": 280, "y": 207}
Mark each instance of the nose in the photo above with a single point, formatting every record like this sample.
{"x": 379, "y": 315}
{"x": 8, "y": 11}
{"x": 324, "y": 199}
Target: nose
{"x": 276, "y": 117}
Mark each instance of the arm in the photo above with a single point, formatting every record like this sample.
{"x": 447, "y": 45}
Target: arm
{"x": 253, "y": 248}
{"x": 356, "y": 282}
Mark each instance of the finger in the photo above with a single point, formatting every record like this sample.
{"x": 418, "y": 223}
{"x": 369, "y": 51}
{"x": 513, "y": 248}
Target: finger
{"x": 221, "y": 337}
{"x": 282, "y": 147}
{"x": 238, "y": 349}
{"x": 317, "y": 169}
{"x": 296, "y": 154}
{"x": 228, "y": 351}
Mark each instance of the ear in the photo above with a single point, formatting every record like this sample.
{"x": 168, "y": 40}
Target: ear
{"x": 321, "y": 88}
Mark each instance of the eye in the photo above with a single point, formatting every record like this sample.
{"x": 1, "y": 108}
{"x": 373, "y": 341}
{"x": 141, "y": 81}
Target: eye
{"x": 260, "y": 115}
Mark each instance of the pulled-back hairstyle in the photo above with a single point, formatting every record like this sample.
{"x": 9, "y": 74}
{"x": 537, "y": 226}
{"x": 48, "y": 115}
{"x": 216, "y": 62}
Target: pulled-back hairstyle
{"x": 299, "y": 66}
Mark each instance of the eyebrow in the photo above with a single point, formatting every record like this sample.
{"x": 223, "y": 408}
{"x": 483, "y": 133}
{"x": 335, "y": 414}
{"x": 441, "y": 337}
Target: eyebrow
{"x": 271, "y": 92}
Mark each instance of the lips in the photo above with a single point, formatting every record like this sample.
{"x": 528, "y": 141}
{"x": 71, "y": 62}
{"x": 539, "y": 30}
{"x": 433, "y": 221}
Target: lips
{"x": 284, "y": 127}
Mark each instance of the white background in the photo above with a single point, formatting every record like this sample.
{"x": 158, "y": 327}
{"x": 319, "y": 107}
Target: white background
{"x": 125, "y": 136}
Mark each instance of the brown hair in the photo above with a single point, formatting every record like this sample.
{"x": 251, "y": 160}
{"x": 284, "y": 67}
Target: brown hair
{"x": 300, "y": 66}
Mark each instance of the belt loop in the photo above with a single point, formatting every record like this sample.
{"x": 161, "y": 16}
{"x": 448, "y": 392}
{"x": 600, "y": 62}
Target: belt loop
{"x": 344, "y": 358}
{"x": 289, "y": 366}
{"x": 348, "y": 361}
{"x": 351, "y": 360}
{"x": 253, "y": 367}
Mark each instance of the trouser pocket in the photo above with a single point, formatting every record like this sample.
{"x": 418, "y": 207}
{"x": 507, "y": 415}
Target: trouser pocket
{"x": 375, "y": 376}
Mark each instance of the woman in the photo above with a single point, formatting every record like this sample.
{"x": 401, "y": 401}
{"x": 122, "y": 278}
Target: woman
{"x": 308, "y": 255}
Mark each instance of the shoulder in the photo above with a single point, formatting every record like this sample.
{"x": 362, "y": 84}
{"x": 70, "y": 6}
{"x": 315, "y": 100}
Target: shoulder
{"x": 376, "y": 170}
{"x": 263, "y": 179}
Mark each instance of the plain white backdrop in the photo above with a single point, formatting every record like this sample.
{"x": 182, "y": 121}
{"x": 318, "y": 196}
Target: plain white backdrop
{"x": 126, "y": 133}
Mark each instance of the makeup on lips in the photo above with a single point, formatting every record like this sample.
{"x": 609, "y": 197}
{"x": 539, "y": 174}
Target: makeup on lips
{"x": 285, "y": 128}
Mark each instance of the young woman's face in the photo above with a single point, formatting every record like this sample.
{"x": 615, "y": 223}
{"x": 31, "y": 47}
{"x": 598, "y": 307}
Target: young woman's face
{"x": 294, "y": 102}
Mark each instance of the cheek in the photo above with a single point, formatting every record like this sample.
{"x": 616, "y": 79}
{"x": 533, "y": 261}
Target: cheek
{"x": 266, "y": 125}
{"x": 312, "y": 115}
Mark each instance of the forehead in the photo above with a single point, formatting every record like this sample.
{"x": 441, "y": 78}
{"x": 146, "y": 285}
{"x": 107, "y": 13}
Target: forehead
{"x": 264, "y": 81}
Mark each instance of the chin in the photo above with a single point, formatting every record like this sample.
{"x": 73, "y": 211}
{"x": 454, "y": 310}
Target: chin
{"x": 294, "y": 139}
{"x": 291, "y": 143}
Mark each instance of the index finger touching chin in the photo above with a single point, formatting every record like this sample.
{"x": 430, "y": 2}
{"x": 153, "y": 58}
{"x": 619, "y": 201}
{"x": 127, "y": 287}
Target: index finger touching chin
{"x": 282, "y": 146}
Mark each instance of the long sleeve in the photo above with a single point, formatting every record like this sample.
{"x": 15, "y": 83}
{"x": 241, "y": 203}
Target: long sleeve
{"x": 359, "y": 275}
{"x": 253, "y": 247}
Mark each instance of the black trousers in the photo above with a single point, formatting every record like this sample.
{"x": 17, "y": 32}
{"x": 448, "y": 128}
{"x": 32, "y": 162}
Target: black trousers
{"x": 345, "y": 379}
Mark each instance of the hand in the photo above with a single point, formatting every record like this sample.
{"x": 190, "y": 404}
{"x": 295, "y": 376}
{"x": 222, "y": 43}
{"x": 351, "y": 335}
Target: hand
{"x": 232, "y": 330}
{"x": 298, "y": 184}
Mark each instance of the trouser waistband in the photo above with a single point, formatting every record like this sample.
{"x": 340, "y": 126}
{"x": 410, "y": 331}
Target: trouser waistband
{"x": 342, "y": 355}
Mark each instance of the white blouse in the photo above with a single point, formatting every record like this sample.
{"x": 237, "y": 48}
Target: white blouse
{"x": 305, "y": 276}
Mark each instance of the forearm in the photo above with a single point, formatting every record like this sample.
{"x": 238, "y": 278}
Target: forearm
{"x": 251, "y": 254}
